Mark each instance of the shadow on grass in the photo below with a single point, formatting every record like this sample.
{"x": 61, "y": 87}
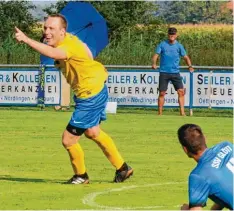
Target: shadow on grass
{"x": 36, "y": 180}
{"x": 30, "y": 180}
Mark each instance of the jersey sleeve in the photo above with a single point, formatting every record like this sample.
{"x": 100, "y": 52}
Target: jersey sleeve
{"x": 67, "y": 49}
{"x": 198, "y": 191}
{"x": 182, "y": 51}
{"x": 158, "y": 49}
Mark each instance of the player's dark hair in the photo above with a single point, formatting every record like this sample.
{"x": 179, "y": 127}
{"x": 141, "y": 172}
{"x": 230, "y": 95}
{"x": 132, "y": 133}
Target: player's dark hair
{"x": 62, "y": 19}
{"x": 191, "y": 137}
{"x": 172, "y": 31}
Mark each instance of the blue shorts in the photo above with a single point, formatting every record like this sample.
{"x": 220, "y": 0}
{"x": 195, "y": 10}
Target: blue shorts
{"x": 91, "y": 111}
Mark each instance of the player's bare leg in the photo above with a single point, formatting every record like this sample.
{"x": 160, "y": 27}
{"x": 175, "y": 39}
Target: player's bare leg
{"x": 181, "y": 101}
{"x": 161, "y": 100}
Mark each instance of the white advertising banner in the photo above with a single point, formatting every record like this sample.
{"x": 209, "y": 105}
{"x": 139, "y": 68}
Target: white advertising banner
{"x": 20, "y": 87}
{"x": 213, "y": 89}
{"x": 140, "y": 88}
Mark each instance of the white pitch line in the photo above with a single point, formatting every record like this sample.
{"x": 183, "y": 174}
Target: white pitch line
{"x": 89, "y": 199}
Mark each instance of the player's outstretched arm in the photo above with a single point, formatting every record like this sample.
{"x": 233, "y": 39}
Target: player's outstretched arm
{"x": 42, "y": 48}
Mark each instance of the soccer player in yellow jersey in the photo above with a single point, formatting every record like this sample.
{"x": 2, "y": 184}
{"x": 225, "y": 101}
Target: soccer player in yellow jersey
{"x": 87, "y": 79}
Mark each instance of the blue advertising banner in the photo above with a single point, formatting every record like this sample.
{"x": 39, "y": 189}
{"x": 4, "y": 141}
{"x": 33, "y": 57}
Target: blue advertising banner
{"x": 22, "y": 87}
{"x": 140, "y": 88}
{"x": 213, "y": 89}
{"x": 203, "y": 88}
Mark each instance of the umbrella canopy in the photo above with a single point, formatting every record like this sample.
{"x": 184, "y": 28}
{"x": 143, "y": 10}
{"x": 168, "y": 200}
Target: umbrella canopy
{"x": 85, "y": 22}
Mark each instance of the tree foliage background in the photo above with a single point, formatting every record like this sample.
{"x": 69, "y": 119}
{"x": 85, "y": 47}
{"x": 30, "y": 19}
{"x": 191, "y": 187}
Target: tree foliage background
{"x": 135, "y": 27}
{"x": 181, "y": 12}
{"x": 120, "y": 15}
{"x": 15, "y": 13}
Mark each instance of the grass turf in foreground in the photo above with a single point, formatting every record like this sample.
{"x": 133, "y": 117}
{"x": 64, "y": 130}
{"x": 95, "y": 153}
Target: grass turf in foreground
{"x": 33, "y": 163}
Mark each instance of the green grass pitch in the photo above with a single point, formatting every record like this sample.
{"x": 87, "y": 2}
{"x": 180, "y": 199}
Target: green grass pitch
{"x": 34, "y": 165}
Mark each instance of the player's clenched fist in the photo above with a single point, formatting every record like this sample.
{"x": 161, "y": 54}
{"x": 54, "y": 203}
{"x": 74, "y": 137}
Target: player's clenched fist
{"x": 20, "y": 36}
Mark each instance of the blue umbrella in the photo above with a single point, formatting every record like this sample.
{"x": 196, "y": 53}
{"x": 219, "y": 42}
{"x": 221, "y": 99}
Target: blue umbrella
{"x": 87, "y": 24}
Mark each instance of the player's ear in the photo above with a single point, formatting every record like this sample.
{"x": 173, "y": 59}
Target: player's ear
{"x": 189, "y": 154}
{"x": 185, "y": 149}
{"x": 63, "y": 30}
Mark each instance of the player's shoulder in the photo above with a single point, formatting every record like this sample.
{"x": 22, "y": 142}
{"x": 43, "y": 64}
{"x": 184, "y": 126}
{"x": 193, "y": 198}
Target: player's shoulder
{"x": 222, "y": 144}
{"x": 200, "y": 174}
{"x": 71, "y": 39}
{"x": 179, "y": 44}
{"x": 70, "y": 36}
{"x": 200, "y": 170}
{"x": 163, "y": 43}
{"x": 196, "y": 175}
{"x": 68, "y": 39}
{"x": 73, "y": 42}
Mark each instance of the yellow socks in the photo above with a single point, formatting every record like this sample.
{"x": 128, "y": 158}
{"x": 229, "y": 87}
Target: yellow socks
{"x": 107, "y": 145}
{"x": 77, "y": 158}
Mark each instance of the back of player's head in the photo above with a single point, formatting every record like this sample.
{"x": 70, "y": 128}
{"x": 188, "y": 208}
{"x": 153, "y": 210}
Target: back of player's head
{"x": 191, "y": 137}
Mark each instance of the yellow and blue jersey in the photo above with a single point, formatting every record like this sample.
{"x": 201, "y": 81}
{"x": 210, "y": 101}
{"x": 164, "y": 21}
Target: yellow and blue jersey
{"x": 213, "y": 177}
{"x": 85, "y": 75}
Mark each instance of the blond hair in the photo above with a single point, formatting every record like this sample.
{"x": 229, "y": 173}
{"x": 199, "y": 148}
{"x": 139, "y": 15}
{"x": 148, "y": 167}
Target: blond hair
{"x": 62, "y": 20}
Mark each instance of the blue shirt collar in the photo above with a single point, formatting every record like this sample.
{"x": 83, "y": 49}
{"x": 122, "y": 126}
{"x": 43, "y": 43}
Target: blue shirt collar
{"x": 170, "y": 43}
{"x": 204, "y": 155}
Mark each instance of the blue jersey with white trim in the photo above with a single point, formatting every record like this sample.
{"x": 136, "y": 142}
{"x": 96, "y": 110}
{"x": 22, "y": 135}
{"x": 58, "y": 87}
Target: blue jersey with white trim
{"x": 213, "y": 177}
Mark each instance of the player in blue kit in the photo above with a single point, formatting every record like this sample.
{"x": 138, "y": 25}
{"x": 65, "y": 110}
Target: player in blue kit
{"x": 170, "y": 51}
{"x": 213, "y": 176}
